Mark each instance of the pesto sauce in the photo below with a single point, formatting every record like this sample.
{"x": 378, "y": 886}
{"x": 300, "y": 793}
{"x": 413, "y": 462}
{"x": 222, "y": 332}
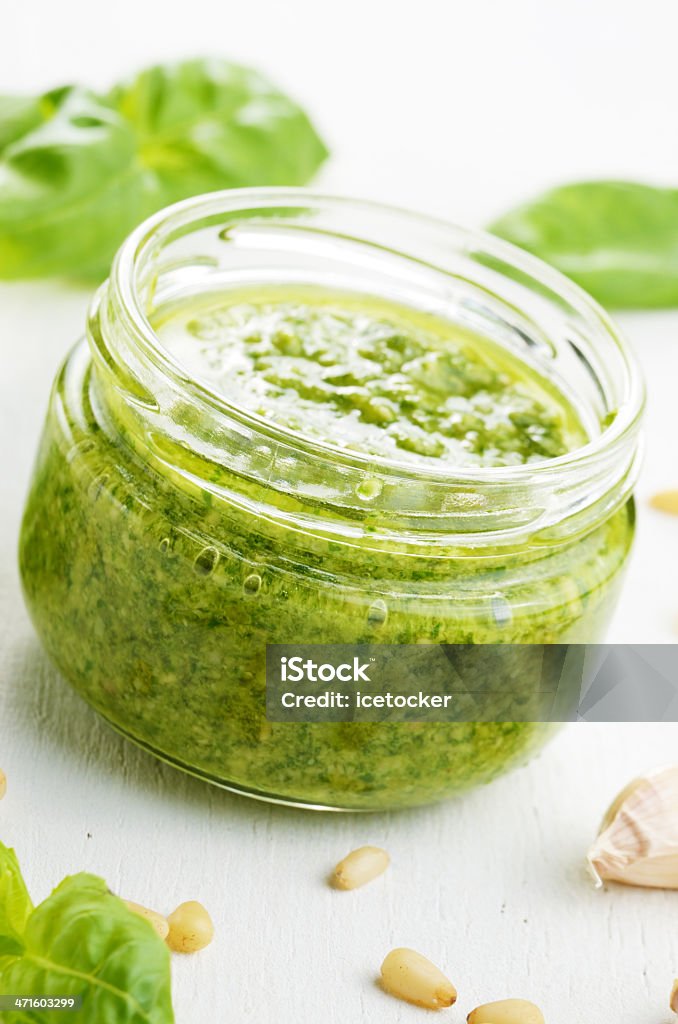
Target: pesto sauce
{"x": 157, "y": 601}
{"x": 373, "y": 377}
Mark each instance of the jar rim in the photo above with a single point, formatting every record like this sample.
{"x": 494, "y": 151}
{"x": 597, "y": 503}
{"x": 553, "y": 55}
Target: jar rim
{"x": 125, "y": 283}
{"x": 580, "y": 487}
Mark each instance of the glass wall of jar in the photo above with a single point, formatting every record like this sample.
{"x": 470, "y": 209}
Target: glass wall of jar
{"x": 170, "y": 534}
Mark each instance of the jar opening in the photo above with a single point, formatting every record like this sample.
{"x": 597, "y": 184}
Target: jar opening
{"x": 227, "y": 240}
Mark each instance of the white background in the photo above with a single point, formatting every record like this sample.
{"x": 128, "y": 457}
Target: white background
{"x": 459, "y": 109}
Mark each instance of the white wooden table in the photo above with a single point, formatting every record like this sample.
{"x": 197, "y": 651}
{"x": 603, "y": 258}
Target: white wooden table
{"x": 459, "y": 113}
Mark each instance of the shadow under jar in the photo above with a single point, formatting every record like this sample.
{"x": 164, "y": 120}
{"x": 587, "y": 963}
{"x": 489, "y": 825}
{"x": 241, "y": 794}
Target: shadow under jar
{"x": 172, "y": 531}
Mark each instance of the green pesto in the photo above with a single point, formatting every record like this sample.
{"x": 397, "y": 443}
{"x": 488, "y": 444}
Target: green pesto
{"x": 373, "y": 377}
{"x": 156, "y": 602}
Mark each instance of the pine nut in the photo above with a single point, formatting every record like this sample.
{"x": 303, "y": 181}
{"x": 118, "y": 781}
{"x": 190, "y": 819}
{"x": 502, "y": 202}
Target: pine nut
{"x": 159, "y": 923}
{"x": 3, "y": 783}
{"x": 360, "y": 867}
{"x": 410, "y": 976}
{"x": 190, "y": 928}
{"x": 507, "y": 1011}
{"x": 674, "y": 997}
{"x": 666, "y": 501}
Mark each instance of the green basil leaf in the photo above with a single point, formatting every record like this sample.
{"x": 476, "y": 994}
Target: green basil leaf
{"x": 209, "y": 124}
{"x": 617, "y": 239}
{"x": 18, "y": 116}
{"x": 84, "y": 941}
{"x": 79, "y": 171}
{"x": 15, "y": 907}
{"x": 69, "y": 189}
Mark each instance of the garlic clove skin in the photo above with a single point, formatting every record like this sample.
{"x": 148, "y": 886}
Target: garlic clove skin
{"x": 638, "y": 840}
{"x": 616, "y": 805}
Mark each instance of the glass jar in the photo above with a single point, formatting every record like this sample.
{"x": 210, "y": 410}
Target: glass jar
{"x": 169, "y": 535}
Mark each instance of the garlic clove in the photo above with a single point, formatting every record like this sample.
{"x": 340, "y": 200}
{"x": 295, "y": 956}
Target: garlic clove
{"x": 616, "y": 805}
{"x": 638, "y": 839}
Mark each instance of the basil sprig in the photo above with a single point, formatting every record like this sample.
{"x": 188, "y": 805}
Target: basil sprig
{"x": 79, "y": 170}
{"x": 82, "y": 941}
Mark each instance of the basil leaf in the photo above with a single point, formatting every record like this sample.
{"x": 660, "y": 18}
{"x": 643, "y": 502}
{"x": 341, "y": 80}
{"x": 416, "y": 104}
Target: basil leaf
{"x": 209, "y": 124}
{"x": 18, "y": 116}
{"x": 69, "y": 189}
{"x": 78, "y": 171}
{"x": 617, "y": 239}
{"x": 84, "y": 941}
{"x": 15, "y": 907}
